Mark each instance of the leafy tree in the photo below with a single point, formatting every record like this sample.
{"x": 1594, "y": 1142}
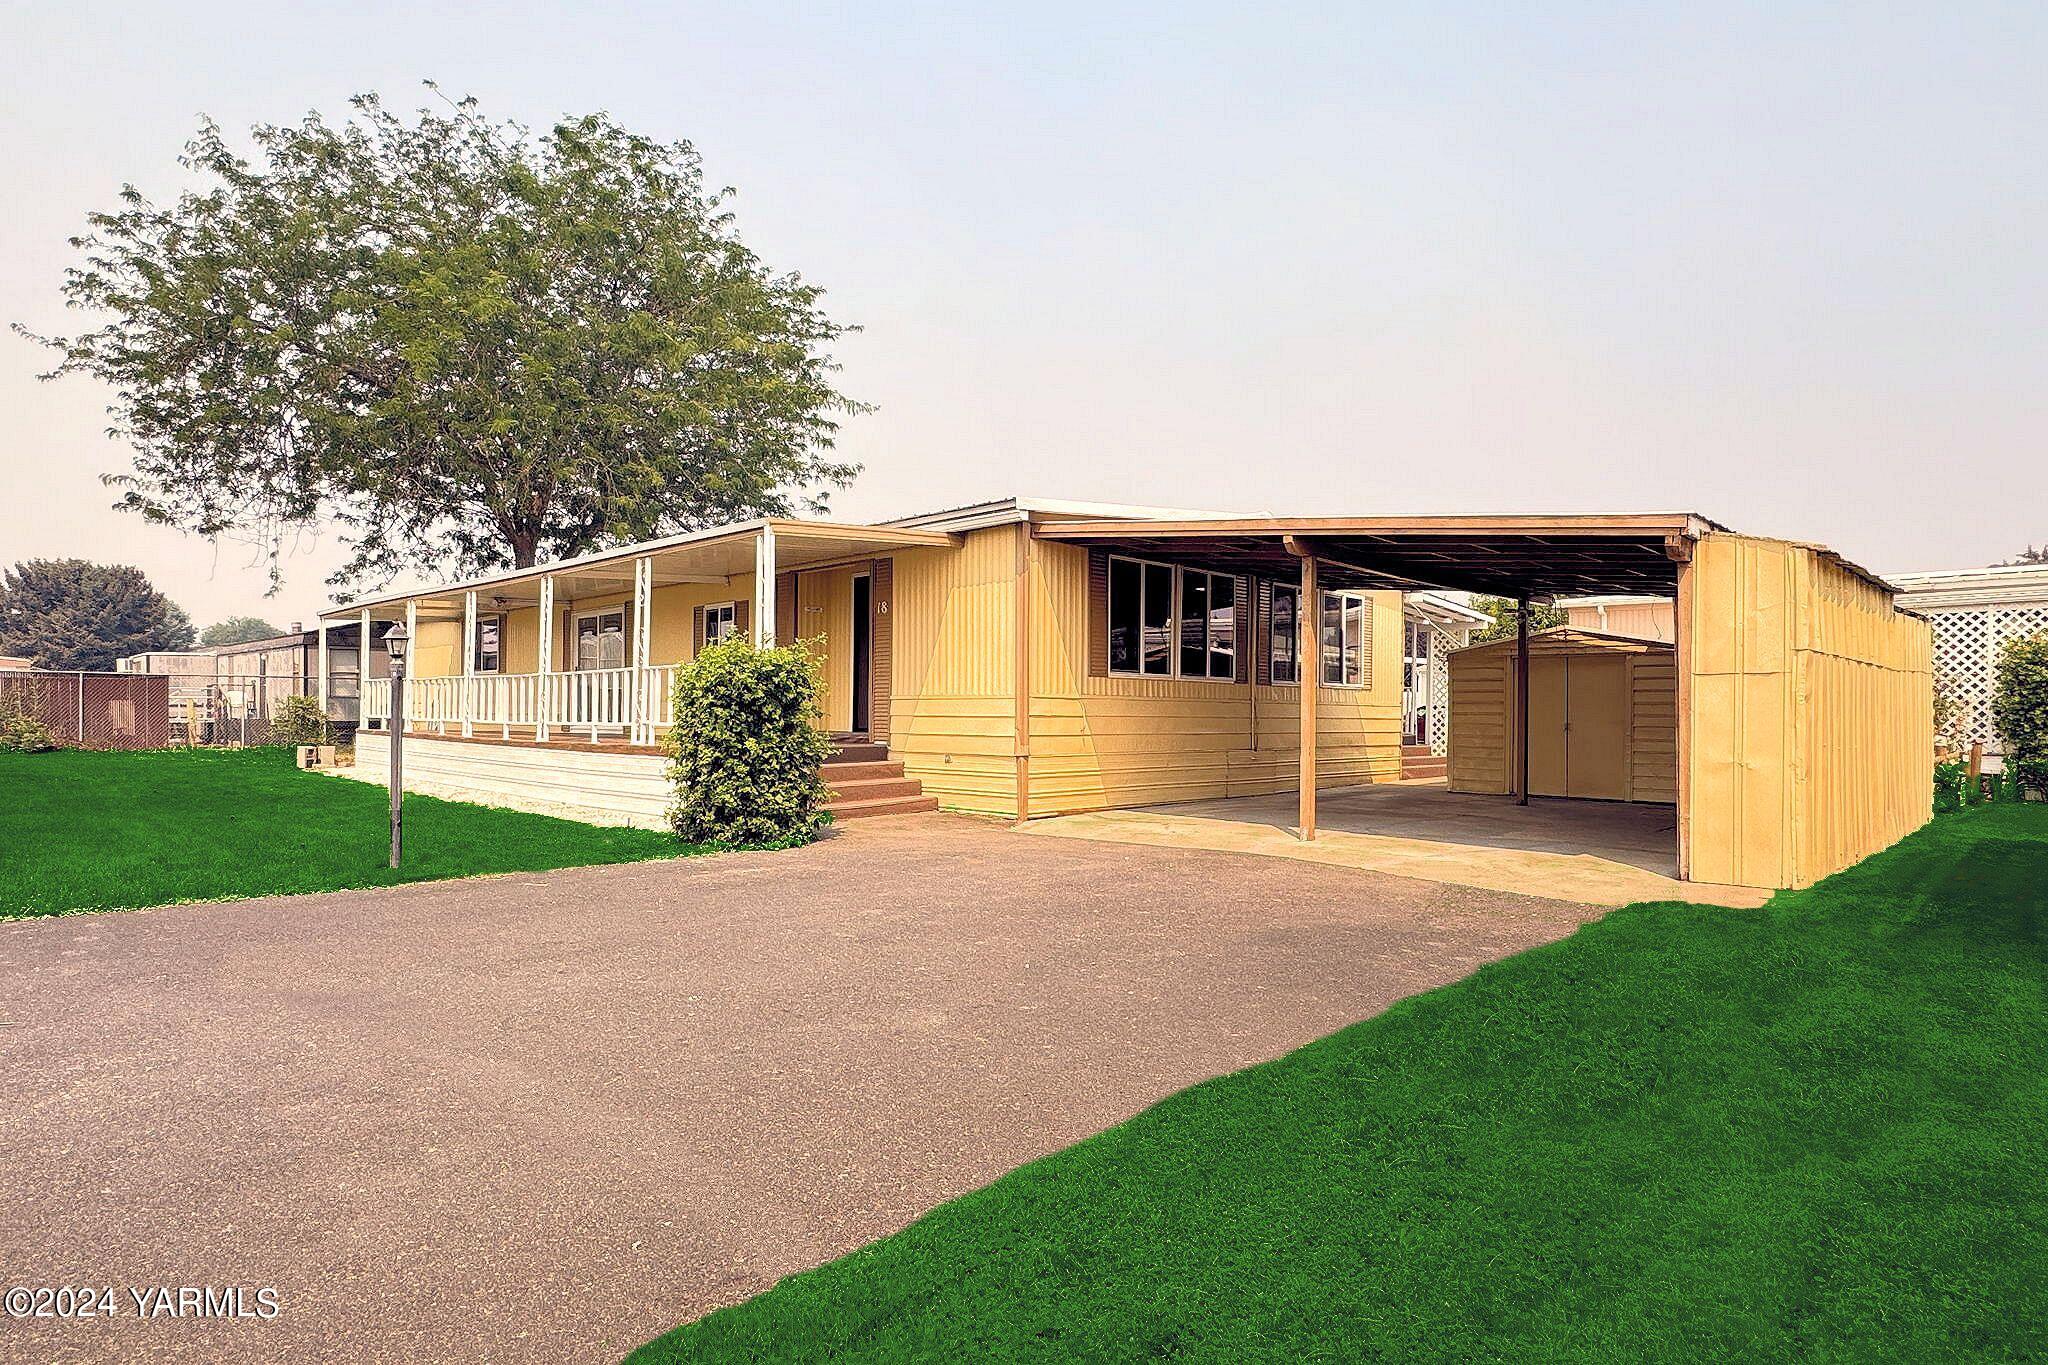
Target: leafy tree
{"x": 238, "y": 630}
{"x": 71, "y": 613}
{"x": 1503, "y": 611}
{"x": 2033, "y": 554}
{"x": 470, "y": 345}
{"x": 2019, "y": 706}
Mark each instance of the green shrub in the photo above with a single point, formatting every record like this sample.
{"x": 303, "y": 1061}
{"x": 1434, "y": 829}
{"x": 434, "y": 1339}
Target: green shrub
{"x": 299, "y": 720}
{"x": 747, "y": 745}
{"x": 2020, "y": 707}
{"x": 1951, "y": 787}
{"x": 21, "y": 731}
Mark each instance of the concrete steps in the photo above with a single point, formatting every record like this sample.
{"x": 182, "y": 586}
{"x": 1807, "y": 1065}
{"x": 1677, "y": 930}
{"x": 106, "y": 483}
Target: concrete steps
{"x": 1418, "y": 763}
{"x": 865, "y": 781}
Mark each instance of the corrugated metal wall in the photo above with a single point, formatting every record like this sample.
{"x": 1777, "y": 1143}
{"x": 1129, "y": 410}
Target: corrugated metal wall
{"x": 952, "y": 718}
{"x": 1810, "y": 715}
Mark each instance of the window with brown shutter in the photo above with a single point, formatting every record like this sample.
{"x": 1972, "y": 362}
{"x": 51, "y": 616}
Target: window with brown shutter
{"x": 1098, "y": 613}
{"x": 1262, "y": 634}
{"x": 785, "y": 608}
{"x": 1247, "y": 642}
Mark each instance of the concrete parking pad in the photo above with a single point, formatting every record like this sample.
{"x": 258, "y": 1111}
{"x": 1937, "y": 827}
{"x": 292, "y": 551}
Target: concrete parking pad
{"x": 1600, "y": 852}
{"x": 545, "y": 1116}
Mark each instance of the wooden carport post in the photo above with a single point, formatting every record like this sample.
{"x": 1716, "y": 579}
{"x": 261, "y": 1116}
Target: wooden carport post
{"x": 1309, "y": 664}
{"x": 1522, "y": 699}
{"x": 1678, "y": 549}
{"x": 1021, "y": 735}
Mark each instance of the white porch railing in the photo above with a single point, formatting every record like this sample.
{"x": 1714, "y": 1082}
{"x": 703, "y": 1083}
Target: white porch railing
{"x": 588, "y": 704}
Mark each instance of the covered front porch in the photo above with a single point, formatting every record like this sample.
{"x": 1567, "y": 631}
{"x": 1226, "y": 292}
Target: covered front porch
{"x": 585, "y": 652}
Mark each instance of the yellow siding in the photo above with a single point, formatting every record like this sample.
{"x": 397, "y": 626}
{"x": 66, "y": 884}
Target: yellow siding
{"x": 437, "y": 653}
{"x": 1098, "y": 742}
{"x": 1810, "y": 715}
{"x": 952, "y": 718}
{"x": 1642, "y": 620}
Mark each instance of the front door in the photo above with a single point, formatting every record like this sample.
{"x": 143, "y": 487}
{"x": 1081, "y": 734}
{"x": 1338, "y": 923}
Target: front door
{"x": 600, "y": 640}
{"x": 863, "y": 651}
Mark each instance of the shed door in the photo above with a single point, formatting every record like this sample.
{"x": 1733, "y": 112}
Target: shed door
{"x": 1596, "y": 727}
{"x": 1548, "y": 773}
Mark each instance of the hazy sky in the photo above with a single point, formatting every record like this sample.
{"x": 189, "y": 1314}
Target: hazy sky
{"x": 1783, "y": 265}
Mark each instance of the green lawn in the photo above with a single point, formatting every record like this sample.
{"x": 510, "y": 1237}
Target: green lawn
{"x": 84, "y": 831}
{"x": 1817, "y": 1130}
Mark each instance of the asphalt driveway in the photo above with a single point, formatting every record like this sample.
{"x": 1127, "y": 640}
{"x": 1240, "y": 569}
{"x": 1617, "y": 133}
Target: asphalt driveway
{"x": 546, "y": 1116}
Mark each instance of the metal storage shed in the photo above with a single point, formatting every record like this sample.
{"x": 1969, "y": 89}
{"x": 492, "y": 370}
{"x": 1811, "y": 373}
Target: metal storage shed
{"x": 1603, "y": 718}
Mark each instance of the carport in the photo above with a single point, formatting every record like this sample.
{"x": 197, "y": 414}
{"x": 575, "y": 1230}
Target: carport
{"x": 1804, "y": 714}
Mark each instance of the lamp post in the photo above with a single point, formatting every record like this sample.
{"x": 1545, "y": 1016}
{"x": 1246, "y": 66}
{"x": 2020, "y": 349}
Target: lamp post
{"x": 395, "y": 643}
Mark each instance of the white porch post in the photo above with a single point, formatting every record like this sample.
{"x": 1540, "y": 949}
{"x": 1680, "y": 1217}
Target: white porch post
{"x": 469, "y": 663}
{"x": 412, "y": 654}
{"x": 321, "y": 628}
{"x": 644, "y": 718}
{"x": 363, "y": 674}
{"x": 764, "y": 587}
{"x": 544, "y": 683}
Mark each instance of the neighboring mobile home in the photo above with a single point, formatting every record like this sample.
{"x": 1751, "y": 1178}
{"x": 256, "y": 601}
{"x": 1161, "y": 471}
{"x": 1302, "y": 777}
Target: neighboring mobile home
{"x": 1025, "y": 659}
{"x": 1974, "y": 613}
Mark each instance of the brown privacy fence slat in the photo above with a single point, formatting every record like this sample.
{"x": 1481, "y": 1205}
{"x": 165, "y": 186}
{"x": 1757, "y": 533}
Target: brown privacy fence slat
{"x": 881, "y": 647}
{"x": 1098, "y": 613}
{"x": 94, "y": 710}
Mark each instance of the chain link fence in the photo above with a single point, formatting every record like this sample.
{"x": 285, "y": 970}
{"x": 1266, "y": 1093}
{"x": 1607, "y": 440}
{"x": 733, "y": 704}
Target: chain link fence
{"x": 231, "y": 710}
{"x": 151, "y": 710}
{"x": 93, "y": 710}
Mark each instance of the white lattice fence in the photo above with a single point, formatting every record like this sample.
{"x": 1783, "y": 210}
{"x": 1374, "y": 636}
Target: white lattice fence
{"x": 1966, "y": 644}
{"x": 1440, "y": 693}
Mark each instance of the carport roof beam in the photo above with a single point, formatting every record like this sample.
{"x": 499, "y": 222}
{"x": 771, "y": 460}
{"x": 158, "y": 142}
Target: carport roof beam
{"x": 1511, "y": 556}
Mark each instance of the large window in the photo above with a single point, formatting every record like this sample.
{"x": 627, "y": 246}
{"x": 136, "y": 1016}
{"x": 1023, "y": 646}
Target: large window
{"x": 490, "y": 631}
{"x": 1286, "y": 641}
{"x": 1343, "y": 639}
{"x": 1166, "y": 622}
{"x": 1140, "y": 618}
{"x": 1208, "y": 625}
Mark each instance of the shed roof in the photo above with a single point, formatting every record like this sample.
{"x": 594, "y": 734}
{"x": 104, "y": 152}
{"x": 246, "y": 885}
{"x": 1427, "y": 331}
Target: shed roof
{"x": 1567, "y": 639}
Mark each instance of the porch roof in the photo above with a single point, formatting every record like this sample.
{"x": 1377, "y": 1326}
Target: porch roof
{"x": 1543, "y": 556}
{"x": 713, "y": 555}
